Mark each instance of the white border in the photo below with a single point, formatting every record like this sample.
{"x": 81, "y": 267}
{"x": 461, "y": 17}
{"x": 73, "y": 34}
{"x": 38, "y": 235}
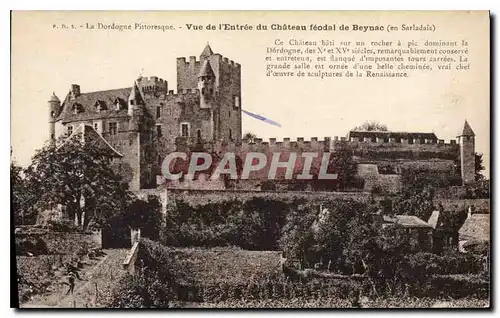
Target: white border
{"x": 199, "y": 5}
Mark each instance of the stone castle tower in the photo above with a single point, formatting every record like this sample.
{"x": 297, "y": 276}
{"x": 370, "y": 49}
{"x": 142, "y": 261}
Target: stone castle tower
{"x": 54, "y": 104}
{"x": 141, "y": 123}
{"x": 467, "y": 154}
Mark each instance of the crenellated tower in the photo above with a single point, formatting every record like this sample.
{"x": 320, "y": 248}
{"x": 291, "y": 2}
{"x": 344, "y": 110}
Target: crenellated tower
{"x": 220, "y": 92}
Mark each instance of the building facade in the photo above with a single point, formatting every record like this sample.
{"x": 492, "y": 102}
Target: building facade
{"x": 147, "y": 121}
{"x": 143, "y": 121}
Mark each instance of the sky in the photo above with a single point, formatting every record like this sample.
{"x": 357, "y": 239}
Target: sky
{"x": 46, "y": 60}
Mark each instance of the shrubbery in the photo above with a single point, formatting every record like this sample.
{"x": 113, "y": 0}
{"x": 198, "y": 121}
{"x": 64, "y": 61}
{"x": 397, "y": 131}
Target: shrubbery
{"x": 254, "y": 224}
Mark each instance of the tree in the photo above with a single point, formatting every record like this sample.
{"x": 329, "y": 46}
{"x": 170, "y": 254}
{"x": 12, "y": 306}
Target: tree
{"x": 416, "y": 196}
{"x": 78, "y": 176}
{"x": 371, "y": 126}
{"x": 342, "y": 163}
{"x": 297, "y": 238}
{"x": 478, "y": 166}
{"x": 19, "y": 196}
{"x": 250, "y": 136}
{"x": 143, "y": 214}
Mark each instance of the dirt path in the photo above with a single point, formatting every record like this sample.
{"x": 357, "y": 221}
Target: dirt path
{"x": 100, "y": 277}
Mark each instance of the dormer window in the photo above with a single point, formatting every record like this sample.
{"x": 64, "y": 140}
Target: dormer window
{"x": 118, "y": 104}
{"x": 77, "y": 108}
{"x": 99, "y": 105}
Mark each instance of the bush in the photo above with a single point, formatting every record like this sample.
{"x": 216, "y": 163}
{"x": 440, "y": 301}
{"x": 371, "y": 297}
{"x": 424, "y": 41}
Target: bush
{"x": 62, "y": 225}
{"x": 253, "y": 224}
{"x": 33, "y": 245}
{"x": 427, "y": 264}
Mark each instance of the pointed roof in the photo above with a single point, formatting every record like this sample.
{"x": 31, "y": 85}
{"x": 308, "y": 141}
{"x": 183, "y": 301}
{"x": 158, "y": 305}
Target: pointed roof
{"x": 467, "y": 131}
{"x": 135, "y": 93}
{"x": 87, "y": 133}
{"x": 207, "y": 51}
{"x": 206, "y": 70}
{"x": 54, "y": 98}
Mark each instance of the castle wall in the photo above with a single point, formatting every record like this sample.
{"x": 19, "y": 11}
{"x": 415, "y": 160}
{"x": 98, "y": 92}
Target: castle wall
{"x": 187, "y": 73}
{"x": 199, "y": 197}
{"x": 401, "y": 150}
{"x": 283, "y": 148}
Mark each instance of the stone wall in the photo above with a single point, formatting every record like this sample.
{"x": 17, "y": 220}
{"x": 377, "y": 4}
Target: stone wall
{"x": 196, "y": 197}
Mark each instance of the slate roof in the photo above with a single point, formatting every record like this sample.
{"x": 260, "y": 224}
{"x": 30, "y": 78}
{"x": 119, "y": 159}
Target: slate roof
{"x": 391, "y": 134}
{"x": 87, "y": 103}
{"x": 207, "y": 51}
{"x": 89, "y": 134}
{"x": 54, "y": 98}
{"x": 206, "y": 70}
{"x": 408, "y": 221}
{"x": 135, "y": 94}
{"x": 476, "y": 227}
{"x": 467, "y": 131}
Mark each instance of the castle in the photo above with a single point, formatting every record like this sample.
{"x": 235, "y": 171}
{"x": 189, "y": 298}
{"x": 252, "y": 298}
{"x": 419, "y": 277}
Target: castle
{"x": 145, "y": 122}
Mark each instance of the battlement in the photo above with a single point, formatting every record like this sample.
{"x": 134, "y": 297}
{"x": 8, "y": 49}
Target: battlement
{"x": 287, "y": 140}
{"x": 394, "y": 141}
{"x": 227, "y": 61}
{"x": 152, "y": 84}
{"x": 183, "y": 92}
{"x": 196, "y": 62}
{"x": 193, "y": 62}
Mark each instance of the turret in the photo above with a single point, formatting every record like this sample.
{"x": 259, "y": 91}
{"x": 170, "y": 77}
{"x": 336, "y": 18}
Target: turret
{"x": 135, "y": 106}
{"x": 467, "y": 154}
{"x": 54, "y": 106}
{"x": 207, "y": 52}
{"x": 206, "y": 80}
{"x": 134, "y": 99}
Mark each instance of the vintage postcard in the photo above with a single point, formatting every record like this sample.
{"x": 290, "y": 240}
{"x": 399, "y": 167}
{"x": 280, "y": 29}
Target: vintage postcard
{"x": 258, "y": 159}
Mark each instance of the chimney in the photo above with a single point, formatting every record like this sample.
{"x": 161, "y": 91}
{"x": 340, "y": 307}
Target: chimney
{"x": 75, "y": 91}
{"x": 469, "y": 212}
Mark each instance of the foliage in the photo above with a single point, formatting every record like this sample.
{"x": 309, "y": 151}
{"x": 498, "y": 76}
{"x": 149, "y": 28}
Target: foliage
{"x": 74, "y": 173}
{"x": 422, "y": 264}
{"x": 249, "y": 136}
{"x": 340, "y": 162}
{"x": 478, "y": 190}
{"x": 252, "y": 224}
{"x": 151, "y": 287}
{"x": 478, "y": 166}
{"x": 35, "y": 275}
{"x": 33, "y": 245}
{"x": 297, "y": 238}
{"x": 397, "y": 301}
{"x": 416, "y": 196}
{"x": 142, "y": 290}
{"x": 371, "y": 126}
{"x": 63, "y": 225}
{"x": 143, "y": 214}
{"x": 21, "y": 197}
